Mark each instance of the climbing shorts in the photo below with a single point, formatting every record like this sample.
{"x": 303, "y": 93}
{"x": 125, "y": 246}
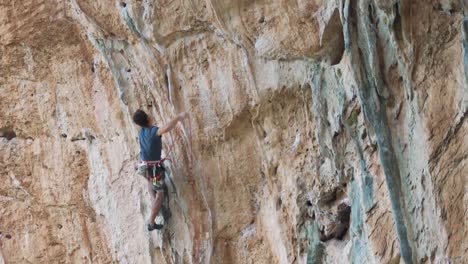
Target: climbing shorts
{"x": 155, "y": 173}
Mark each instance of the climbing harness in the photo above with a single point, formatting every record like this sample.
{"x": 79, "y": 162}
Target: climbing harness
{"x": 156, "y": 166}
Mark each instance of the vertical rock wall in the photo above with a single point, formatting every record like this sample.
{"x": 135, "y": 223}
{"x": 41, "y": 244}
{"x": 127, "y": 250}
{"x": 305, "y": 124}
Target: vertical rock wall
{"x": 319, "y": 131}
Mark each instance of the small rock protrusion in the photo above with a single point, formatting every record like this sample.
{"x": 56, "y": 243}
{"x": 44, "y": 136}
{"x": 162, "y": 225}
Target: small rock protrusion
{"x": 340, "y": 226}
{"x": 329, "y": 197}
{"x": 261, "y": 20}
{"x": 344, "y": 213}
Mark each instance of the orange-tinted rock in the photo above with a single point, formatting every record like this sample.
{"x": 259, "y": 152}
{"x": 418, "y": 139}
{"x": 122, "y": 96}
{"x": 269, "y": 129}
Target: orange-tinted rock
{"x": 280, "y": 161}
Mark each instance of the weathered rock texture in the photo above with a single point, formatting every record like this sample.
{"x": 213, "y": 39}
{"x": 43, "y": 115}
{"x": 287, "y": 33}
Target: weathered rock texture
{"x": 319, "y": 132}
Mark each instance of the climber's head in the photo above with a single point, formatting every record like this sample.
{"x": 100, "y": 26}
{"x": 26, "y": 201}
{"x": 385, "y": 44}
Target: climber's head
{"x": 141, "y": 118}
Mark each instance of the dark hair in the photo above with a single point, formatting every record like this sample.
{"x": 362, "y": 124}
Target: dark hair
{"x": 141, "y": 118}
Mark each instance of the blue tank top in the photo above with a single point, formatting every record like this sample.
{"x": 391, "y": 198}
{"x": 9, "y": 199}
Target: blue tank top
{"x": 150, "y": 144}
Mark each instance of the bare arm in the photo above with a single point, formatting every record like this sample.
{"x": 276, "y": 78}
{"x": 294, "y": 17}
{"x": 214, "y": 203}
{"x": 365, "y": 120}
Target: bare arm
{"x": 169, "y": 126}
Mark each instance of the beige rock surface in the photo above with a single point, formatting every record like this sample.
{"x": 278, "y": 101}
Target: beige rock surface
{"x": 319, "y": 131}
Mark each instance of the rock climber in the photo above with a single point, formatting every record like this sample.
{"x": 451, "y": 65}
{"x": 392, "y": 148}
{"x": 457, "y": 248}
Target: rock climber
{"x": 150, "y": 165}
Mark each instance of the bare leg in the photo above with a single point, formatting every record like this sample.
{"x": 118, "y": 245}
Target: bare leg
{"x": 150, "y": 190}
{"x": 157, "y": 204}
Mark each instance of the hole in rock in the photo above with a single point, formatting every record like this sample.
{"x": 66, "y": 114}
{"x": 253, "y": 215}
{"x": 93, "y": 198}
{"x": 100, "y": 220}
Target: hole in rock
{"x": 123, "y": 4}
{"x": 275, "y": 170}
{"x": 8, "y": 236}
{"x": 166, "y": 80}
{"x": 59, "y": 226}
{"x": 129, "y": 70}
{"x": 309, "y": 203}
{"x": 371, "y": 14}
{"x": 7, "y": 133}
{"x": 397, "y": 26}
{"x": 64, "y": 135}
{"x": 338, "y": 73}
{"x": 364, "y": 134}
{"x": 344, "y": 212}
{"x": 279, "y": 202}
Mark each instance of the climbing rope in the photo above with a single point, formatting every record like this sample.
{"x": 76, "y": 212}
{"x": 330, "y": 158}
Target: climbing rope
{"x": 190, "y": 150}
{"x": 189, "y": 147}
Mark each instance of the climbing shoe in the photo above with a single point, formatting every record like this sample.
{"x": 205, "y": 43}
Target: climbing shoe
{"x": 154, "y": 226}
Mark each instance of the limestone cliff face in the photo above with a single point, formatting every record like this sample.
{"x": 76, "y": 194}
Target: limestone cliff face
{"x": 319, "y": 131}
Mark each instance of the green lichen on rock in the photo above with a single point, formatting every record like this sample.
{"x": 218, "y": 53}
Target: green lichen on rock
{"x": 371, "y": 88}
{"x": 338, "y": 73}
{"x": 359, "y": 250}
{"x": 131, "y": 23}
{"x": 353, "y": 117}
{"x": 316, "y": 248}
